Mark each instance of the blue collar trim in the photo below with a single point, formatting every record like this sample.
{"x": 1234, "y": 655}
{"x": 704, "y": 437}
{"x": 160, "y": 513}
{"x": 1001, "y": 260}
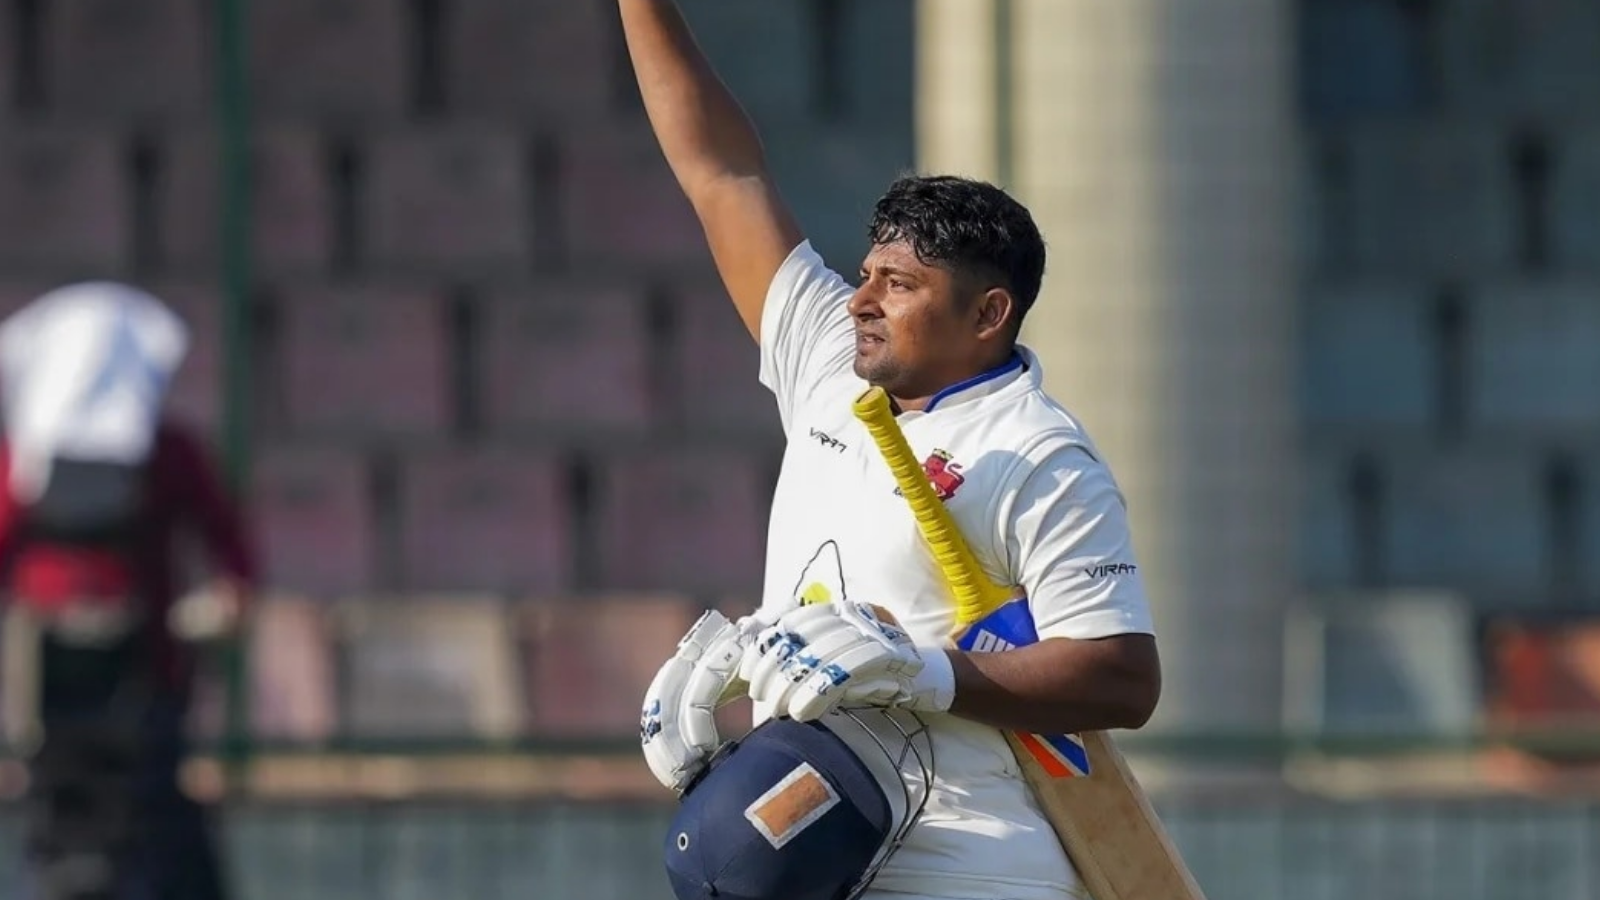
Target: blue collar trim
{"x": 1005, "y": 368}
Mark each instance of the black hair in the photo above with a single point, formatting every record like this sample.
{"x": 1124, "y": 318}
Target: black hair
{"x": 970, "y": 227}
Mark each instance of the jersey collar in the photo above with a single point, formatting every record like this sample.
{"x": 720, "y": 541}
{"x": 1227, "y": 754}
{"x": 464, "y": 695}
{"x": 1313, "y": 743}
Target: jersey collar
{"x": 983, "y": 384}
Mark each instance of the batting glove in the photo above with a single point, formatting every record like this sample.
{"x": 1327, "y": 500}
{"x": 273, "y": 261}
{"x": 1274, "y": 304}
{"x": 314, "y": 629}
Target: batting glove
{"x": 677, "y": 726}
{"x": 822, "y": 657}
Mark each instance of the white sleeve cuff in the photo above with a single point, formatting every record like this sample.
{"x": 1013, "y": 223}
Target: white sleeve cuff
{"x": 934, "y": 688}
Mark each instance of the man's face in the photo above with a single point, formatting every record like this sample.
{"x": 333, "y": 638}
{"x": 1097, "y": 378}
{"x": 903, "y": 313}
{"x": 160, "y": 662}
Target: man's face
{"x": 918, "y": 328}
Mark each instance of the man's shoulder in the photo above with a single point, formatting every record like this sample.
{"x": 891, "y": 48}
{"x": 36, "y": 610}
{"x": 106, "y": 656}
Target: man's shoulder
{"x": 1031, "y": 424}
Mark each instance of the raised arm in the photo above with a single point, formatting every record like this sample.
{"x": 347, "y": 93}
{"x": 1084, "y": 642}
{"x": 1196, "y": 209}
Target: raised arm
{"x": 714, "y": 152}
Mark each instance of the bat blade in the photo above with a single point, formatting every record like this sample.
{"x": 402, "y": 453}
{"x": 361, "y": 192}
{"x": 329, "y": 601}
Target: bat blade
{"x": 1083, "y": 785}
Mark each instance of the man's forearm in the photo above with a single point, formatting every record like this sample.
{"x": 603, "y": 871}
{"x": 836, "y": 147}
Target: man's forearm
{"x": 703, "y": 132}
{"x": 1060, "y": 686}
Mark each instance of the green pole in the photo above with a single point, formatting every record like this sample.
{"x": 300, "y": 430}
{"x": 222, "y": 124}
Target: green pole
{"x": 233, "y": 119}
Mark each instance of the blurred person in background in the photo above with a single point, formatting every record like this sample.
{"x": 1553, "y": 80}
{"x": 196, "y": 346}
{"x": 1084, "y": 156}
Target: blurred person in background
{"x": 101, "y": 486}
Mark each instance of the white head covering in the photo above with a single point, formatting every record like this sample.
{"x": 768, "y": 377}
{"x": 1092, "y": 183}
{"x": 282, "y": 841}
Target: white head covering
{"x": 85, "y": 369}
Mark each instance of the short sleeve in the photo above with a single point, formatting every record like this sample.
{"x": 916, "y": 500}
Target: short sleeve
{"x": 806, "y": 334}
{"x": 1066, "y": 533}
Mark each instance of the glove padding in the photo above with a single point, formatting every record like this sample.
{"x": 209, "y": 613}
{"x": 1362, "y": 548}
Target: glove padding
{"x": 678, "y": 727}
{"x": 818, "y": 658}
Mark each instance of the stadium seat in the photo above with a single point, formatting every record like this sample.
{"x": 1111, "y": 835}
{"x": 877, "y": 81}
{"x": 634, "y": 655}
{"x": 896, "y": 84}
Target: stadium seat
{"x": 453, "y": 200}
{"x": 1519, "y": 59}
{"x": 64, "y": 204}
{"x": 111, "y": 57}
{"x": 685, "y": 519}
{"x": 777, "y": 82}
{"x": 1588, "y": 505}
{"x": 1329, "y": 542}
{"x": 197, "y": 389}
{"x": 365, "y": 362}
{"x": 1474, "y": 519}
{"x": 1543, "y": 671}
{"x": 493, "y": 45}
{"x": 1370, "y": 358}
{"x": 10, "y": 43}
{"x": 291, "y": 204}
{"x": 877, "y": 78}
{"x": 428, "y": 666}
{"x": 1395, "y": 662}
{"x": 1417, "y": 198}
{"x": 312, "y": 512}
{"x": 718, "y": 364}
{"x": 568, "y": 359}
{"x": 328, "y": 59}
{"x": 590, "y": 659}
{"x": 485, "y": 519}
{"x": 1388, "y": 39}
{"x": 1533, "y": 365}
{"x": 292, "y": 673}
{"x": 620, "y": 203}
{"x": 1575, "y": 201}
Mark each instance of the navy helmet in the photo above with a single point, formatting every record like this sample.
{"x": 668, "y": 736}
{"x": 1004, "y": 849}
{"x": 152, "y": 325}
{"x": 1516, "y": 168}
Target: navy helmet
{"x": 793, "y": 812}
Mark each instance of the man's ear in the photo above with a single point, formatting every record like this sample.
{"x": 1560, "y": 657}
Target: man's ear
{"x": 994, "y": 310}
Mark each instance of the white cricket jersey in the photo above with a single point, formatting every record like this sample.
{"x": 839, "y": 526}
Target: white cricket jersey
{"x": 1033, "y": 498}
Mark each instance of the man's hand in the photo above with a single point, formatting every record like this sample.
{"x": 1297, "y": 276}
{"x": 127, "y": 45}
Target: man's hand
{"x": 211, "y": 614}
{"x": 677, "y": 726}
{"x": 828, "y": 656}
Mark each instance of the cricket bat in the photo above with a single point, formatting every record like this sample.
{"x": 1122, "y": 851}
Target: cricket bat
{"x": 1082, "y": 783}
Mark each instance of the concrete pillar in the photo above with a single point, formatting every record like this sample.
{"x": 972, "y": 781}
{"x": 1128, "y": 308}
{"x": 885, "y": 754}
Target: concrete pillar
{"x": 1154, "y": 141}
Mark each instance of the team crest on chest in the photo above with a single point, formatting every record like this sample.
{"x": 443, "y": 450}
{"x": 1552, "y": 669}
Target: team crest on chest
{"x": 943, "y": 472}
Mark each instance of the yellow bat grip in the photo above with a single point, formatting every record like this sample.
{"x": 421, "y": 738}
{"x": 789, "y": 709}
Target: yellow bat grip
{"x": 975, "y": 595}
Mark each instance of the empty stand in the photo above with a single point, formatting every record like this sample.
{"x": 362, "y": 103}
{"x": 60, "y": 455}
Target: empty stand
{"x": 717, "y": 364}
{"x": 196, "y": 391}
{"x": 64, "y": 204}
{"x": 832, "y": 174}
{"x": 1533, "y": 358}
{"x": 313, "y": 514}
{"x": 364, "y": 362}
{"x": 10, "y": 46}
{"x": 1384, "y": 662}
{"x": 110, "y": 57}
{"x": 1388, "y": 38}
{"x": 292, "y": 674}
{"x": 686, "y": 519}
{"x": 433, "y": 666}
{"x": 1527, "y": 59}
{"x": 485, "y": 519}
{"x": 328, "y": 59}
{"x": 453, "y": 200}
{"x": 493, "y": 47}
{"x": 1371, "y": 357}
{"x": 1543, "y": 672}
{"x": 1575, "y": 201}
{"x": 778, "y": 81}
{"x": 1420, "y": 198}
{"x": 1471, "y": 519}
{"x": 1587, "y": 500}
{"x": 569, "y": 358}
{"x": 290, "y": 201}
{"x": 620, "y": 205}
{"x": 875, "y": 79}
{"x": 582, "y": 682}
{"x": 1330, "y": 544}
